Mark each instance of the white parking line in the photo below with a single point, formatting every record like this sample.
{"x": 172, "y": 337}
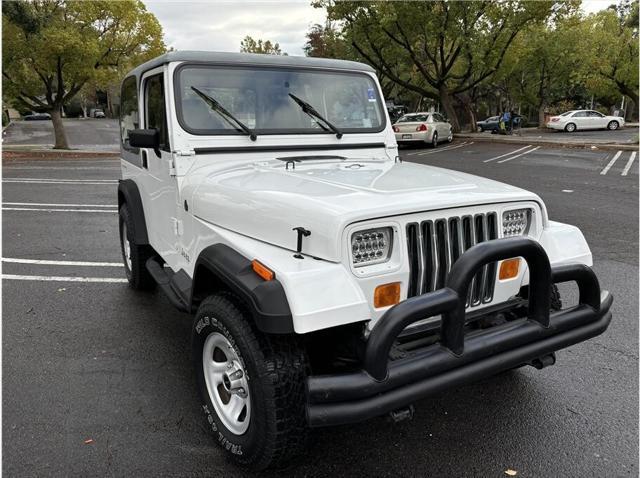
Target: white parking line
{"x": 62, "y": 278}
{"x": 59, "y": 180}
{"x": 506, "y": 154}
{"x": 61, "y": 263}
{"x": 68, "y": 183}
{"x": 626, "y": 169}
{"x": 611, "y": 163}
{"x": 448, "y": 148}
{"x": 57, "y": 205}
{"x": 75, "y": 168}
{"x": 112, "y": 211}
{"x": 521, "y": 154}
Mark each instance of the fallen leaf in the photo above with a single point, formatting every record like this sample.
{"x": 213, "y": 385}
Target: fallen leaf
{"x": 88, "y": 441}
{"x": 510, "y": 472}
{"x": 62, "y": 289}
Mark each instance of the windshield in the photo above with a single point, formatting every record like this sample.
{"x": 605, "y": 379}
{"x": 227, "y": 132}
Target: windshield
{"x": 260, "y": 98}
{"x": 413, "y": 118}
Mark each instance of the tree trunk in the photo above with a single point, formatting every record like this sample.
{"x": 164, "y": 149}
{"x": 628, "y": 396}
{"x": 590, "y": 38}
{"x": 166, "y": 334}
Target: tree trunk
{"x": 541, "y": 108}
{"x": 467, "y": 104}
{"x": 447, "y": 104}
{"x": 58, "y": 129}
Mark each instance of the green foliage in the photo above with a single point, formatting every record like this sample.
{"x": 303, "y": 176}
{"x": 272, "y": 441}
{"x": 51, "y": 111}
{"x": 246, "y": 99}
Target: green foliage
{"x": 488, "y": 55}
{"x": 250, "y": 45}
{"x": 52, "y": 48}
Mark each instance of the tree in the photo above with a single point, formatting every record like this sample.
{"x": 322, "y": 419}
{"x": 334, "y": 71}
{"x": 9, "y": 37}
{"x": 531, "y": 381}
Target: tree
{"x": 451, "y": 47}
{"x": 547, "y": 64}
{"x": 614, "y": 34}
{"x": 53, "y": 48}
{"x": 249, "y": 45}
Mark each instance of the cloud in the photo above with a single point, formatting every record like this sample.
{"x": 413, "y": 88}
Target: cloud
{"x": 221, "y": 25}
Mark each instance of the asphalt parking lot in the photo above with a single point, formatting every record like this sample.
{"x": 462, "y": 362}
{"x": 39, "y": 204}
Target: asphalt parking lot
{"x": 97, "y": 379}
{"x": 92, "y": 134}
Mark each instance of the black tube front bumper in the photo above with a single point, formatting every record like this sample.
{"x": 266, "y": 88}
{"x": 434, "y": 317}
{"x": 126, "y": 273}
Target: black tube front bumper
{"x": 383, "y": 386}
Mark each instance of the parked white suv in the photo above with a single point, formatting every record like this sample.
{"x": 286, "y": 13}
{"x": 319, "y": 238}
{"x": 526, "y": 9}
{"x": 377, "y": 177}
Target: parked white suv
{"x": 330, "y": 282}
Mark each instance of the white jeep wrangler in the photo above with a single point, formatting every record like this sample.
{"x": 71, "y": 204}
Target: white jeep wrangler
{"x": 330, "y": 281}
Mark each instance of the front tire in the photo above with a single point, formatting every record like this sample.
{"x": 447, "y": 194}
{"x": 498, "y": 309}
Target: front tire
{"x": 570, "y": 127}
{"x": 268, "y": 373}
{"x": 134, "y": 255}
{"x": 613, "y": 125}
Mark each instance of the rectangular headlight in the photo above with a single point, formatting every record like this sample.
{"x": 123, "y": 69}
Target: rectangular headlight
{"x": 515, "y": 222}
{"x": 372, "y": 246}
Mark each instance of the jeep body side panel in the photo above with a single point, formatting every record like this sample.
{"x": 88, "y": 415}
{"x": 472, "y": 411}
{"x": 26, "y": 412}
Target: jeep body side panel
{"x": 266, "y": 299}
{"x": 128, "y": 193}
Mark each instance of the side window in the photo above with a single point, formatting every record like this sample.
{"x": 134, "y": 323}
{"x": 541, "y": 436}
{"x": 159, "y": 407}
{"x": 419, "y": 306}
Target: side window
{"x": 156, "y": 113}
{"x": 595, "y": 114}
{"x": 580, "y": 114}
{"x": 129, "y": 118}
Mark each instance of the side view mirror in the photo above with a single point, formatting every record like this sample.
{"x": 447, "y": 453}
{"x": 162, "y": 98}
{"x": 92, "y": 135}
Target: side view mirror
{"x": 144, "y": 138}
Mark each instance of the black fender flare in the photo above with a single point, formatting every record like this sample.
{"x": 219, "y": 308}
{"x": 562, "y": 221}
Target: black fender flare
{"x": 220, "y": 265}
{"x": 128, "y": 193}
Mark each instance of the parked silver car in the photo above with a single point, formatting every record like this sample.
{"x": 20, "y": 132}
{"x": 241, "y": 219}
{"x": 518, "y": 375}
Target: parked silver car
{"x": 428, "y": 128}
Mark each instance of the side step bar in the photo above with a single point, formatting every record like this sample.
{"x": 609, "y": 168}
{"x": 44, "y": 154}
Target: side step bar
{"x": 175, "y": 285}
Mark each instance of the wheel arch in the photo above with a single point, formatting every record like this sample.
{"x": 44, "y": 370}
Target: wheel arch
{"x": 129, "y": 194}
{"x": 221, "y": 268}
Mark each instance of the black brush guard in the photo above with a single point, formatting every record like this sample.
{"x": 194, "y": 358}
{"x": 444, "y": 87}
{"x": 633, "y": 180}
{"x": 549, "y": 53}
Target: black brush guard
{"x": 383, "y": 386}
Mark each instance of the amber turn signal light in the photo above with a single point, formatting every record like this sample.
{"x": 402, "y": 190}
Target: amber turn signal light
{"x": 262, "y": 270}
{"x": 509, "y": 268}
{"x": 386, "y": 295}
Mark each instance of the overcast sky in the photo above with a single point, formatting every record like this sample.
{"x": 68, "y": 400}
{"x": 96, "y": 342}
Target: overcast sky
{"x": 221, "y": 25}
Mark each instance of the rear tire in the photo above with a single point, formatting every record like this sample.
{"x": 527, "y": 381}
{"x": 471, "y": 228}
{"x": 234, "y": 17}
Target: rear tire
{"x": 570, "y": 127}
{"x": 434, "y": 140}
{"x": 274, "y": 368}
{"x": 134, "y": 256}
{"x": 613, "y": 125}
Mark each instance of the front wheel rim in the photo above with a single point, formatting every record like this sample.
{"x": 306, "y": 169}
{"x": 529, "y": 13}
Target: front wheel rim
{"x": 613, "y": 125}
{"x": 126, "y": 247}
{"x": 227, "y": 383}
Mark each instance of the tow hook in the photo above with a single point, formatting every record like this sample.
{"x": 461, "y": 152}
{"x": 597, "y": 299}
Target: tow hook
{"x": 544, "y": 361}
{"x": 400, "y": 414}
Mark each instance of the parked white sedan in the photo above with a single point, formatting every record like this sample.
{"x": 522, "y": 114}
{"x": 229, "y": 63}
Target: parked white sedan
{"x": 584, "y": 119}
{"x": 428, "y": 128}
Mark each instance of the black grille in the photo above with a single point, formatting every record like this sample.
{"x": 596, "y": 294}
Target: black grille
{"x": 435, "y": 245}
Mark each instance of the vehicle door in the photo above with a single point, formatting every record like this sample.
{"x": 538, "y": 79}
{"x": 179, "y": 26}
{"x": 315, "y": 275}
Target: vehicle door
{"x": 581, "y": 120}
{"x": 160, "y": 182}
{"x": 597, "y": 119}
{"x": 438, "y": 124}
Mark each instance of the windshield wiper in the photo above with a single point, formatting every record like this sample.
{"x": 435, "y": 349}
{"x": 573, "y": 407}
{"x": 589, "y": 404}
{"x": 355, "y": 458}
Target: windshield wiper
{"x": 218, "y": 108}
{"x": 311, "y": 111}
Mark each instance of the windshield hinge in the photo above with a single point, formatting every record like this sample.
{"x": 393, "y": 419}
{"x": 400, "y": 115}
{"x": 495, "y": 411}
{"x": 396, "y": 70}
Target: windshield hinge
{"x": 187, "y": 152}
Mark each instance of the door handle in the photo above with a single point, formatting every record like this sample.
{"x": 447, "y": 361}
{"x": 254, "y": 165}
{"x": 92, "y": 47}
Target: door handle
{"x": 145, "y": 161}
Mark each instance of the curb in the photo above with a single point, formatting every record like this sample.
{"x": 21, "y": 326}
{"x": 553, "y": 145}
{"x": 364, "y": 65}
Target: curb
{"x": 14, "y": 154}
{"x": 537, "y": 142}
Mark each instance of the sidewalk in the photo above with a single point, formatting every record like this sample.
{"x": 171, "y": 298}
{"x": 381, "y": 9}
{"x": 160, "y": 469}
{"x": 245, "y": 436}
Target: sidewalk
{"x": 625, "y": 139}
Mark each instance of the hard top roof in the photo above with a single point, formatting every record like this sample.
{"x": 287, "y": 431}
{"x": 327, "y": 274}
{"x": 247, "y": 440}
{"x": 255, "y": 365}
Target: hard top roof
{"x": 248, "y": 59}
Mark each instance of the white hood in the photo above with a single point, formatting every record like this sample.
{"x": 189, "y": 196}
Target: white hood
{"x": 266, "y": 201}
